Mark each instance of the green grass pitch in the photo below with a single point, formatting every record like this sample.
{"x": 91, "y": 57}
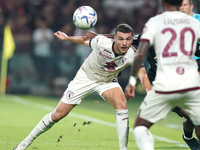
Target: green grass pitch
{"x": 19, "y": 114}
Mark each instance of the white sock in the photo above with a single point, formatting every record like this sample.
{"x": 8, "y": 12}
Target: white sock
{"x": 122, "y": 126}
{"x": 143, "y": 138}
{"x": 45, "y": 124}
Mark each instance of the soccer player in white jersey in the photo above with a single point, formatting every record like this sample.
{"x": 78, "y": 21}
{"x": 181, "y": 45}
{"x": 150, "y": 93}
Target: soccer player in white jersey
{"x": 98, "y": 73}
{"x": 174, "y": 36}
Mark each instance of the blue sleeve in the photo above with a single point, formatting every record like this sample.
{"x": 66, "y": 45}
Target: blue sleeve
{"x": 196, "y": 16}
{"x": 197, "y": 54}
{"x": 196, "y": 58}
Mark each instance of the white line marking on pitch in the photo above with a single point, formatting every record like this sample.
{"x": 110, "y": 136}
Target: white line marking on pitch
{"x": 84, "y": 117}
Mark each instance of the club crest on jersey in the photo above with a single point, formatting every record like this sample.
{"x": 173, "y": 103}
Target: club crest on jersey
{"x": 180, "y": 70}
{"x": 104, "y": 55}
{"x": 69, "y": 94}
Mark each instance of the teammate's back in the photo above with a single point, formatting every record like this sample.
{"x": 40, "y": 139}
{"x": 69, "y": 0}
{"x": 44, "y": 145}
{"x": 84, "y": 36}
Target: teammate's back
{"x": 175, "y": 38}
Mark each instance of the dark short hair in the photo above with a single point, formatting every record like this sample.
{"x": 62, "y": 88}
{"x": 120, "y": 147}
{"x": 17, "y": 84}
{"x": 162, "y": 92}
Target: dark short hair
{"x": 191, "y": 3}
{"x": 173, "y": 2}
{"x": 125, "y": 28}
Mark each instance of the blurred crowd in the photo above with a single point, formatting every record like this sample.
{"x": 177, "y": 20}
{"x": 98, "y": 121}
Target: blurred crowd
{"x": 41, "y": 64}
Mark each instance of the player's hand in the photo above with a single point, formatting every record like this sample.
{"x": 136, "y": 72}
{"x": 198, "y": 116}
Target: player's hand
{"x": 60, "y": 35}
{"x": 89, "y": 35}
{"x": 129, "y": 91}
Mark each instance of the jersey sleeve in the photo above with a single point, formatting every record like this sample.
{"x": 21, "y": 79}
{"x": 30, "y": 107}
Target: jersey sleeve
{"x": 148, "y": 32}
{"x": 94, "y": 42}
{"x": 97, "y": 41}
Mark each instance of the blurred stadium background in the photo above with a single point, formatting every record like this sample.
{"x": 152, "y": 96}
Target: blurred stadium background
{"x": 42, "y": 65}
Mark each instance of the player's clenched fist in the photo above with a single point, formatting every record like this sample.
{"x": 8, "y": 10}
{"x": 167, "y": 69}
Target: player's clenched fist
{"x": 129, "y": 91}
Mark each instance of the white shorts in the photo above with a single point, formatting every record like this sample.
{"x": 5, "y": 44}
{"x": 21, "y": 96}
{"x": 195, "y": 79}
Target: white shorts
{"x": 81, "y": 86}
{"x": 156, "y": 106}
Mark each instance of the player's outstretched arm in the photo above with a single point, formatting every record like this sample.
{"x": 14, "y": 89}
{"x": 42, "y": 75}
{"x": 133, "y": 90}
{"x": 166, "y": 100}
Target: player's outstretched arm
{"x": 139, "y": 59}
{"x": 142, "y": 75}
{"x": 89, "y": 35}
{"x": 137, "y": 63}
{"x": 75, "y": 39}
{"x": 130, "y": 89}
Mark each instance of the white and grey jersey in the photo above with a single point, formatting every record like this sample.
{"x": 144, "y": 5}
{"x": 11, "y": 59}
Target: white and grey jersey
{"x": 174, "y": 36}
{"x": 103, "y": 64}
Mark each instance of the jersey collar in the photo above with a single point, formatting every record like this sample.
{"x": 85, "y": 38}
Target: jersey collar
{"x": 114, "y": 51}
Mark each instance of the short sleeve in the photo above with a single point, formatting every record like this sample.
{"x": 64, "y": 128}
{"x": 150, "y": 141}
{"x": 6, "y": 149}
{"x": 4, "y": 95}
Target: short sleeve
{"x": 148, "y": 32}
{"x": 94, "y": 42}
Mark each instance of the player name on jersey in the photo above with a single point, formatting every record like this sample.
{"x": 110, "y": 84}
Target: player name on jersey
{"x": 176, "y": 21}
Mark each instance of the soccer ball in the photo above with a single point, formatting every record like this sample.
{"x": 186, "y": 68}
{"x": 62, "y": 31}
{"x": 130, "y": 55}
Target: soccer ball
{"x": 85, "y": 17}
